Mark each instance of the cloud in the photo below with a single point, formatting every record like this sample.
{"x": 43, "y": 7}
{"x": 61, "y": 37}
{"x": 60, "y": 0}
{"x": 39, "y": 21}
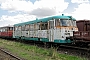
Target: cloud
{"x": 16, "y": 5}
{"x": 43, "y": 12}
{"x": 1, "y": 1}
{"x": 82, "y": 12}
{"x": 79, "y": 1}
{"x": 10, "y": 20}
{"x": 42, "y": 7}
{"x": 27, "y": 11}
{"x": 39, "y": 8}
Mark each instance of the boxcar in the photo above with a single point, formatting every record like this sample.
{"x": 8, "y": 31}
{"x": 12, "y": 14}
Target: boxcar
{"x": 6, "y": 32}
{"x": 55, "y": 29}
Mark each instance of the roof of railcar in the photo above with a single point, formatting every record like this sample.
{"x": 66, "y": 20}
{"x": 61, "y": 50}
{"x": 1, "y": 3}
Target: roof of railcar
{"x": 6, "y": 27}
{"x": 83, "y": 21}
{"x": 45, "y": 20}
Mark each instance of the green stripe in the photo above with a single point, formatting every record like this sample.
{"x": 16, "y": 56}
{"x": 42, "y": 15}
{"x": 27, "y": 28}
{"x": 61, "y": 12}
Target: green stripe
{"x": 62, "y": 41}
{"x": 28, "y": 38}
{"x": 44, "y": 39}
{"x": 17, "y": 37}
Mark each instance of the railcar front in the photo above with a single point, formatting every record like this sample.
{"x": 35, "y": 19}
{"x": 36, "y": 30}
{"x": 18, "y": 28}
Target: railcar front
{"x": 62, "y": 29}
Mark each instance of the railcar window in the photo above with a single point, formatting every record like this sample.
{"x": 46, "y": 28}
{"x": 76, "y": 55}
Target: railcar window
{"x": 74, "y": 23}
{"x": 44, "y": 26}
{"x": 6, "y": 29}
{"x": 57, "y": 22}
{"x": 27, "y": 27}
{"x": 31, "y": 27}
{"x": 16, "y": 28}
{"x": 3, "y": 30}
{"x": 63, "y": 22}
{"x": 69, "y": 22}
{"x": 51, "y": 23}
{"x": 10, "y": 28}
{"x": 23, "y": 28}
{"x": 0, "y": 30}
{"x": 66, "y": 22}
{"x": 19, "y": 28}
{"x": 37, "y": 26}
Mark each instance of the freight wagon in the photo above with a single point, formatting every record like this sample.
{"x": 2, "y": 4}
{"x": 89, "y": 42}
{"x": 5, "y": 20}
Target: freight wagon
{"x": 82, "y": 36}
{"x": 83, "y": 25}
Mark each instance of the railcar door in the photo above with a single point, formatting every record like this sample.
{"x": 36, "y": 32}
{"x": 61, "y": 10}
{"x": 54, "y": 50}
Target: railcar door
{"x": 51, "y": 30}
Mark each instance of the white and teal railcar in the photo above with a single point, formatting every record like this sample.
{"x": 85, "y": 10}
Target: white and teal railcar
{"x": 50, "y": 29}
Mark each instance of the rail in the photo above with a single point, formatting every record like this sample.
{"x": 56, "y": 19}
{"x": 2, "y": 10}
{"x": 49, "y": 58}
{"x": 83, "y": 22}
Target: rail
{"x": 10, "y": 54}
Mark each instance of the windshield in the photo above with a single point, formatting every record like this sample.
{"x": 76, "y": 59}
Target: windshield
{"x": 74, "y": 23}
{"x": 66, "y": 22}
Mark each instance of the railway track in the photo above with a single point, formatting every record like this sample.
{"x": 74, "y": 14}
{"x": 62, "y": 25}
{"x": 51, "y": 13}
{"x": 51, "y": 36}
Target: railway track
{"x": 71, "y": 50}
{"x": 66, "y": 49}
{"x": 5, "y": 55}
{"x": 75, "y": 47}
{"x": 76, "y": 51}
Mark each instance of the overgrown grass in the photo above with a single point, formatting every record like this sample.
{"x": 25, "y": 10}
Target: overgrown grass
{"x": 35, "y": 53}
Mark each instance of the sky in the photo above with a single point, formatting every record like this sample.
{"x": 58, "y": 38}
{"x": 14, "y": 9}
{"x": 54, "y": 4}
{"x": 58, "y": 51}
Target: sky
{"x": 17, "y": 11}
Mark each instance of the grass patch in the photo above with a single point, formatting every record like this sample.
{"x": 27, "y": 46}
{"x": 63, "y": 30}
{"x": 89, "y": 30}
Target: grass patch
{"x": 35, "y": 53}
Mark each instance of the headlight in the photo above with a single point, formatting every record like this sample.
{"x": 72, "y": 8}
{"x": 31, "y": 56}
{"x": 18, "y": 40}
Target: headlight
{"x": 76, "y": 29}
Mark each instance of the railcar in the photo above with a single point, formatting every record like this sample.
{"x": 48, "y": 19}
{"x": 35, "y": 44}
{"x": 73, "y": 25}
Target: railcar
{"x": 6, "y": 32}
{"x": 83, "y": 25}
{"x": 82, "y": 36}
{"x": 57, "y": 29}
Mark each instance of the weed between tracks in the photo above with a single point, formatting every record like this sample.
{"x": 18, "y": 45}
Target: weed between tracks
{"x": 33, "y": 52}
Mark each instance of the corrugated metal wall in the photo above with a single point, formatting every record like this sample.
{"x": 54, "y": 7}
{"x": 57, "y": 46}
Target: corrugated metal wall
{"x": 83, "y": 25}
